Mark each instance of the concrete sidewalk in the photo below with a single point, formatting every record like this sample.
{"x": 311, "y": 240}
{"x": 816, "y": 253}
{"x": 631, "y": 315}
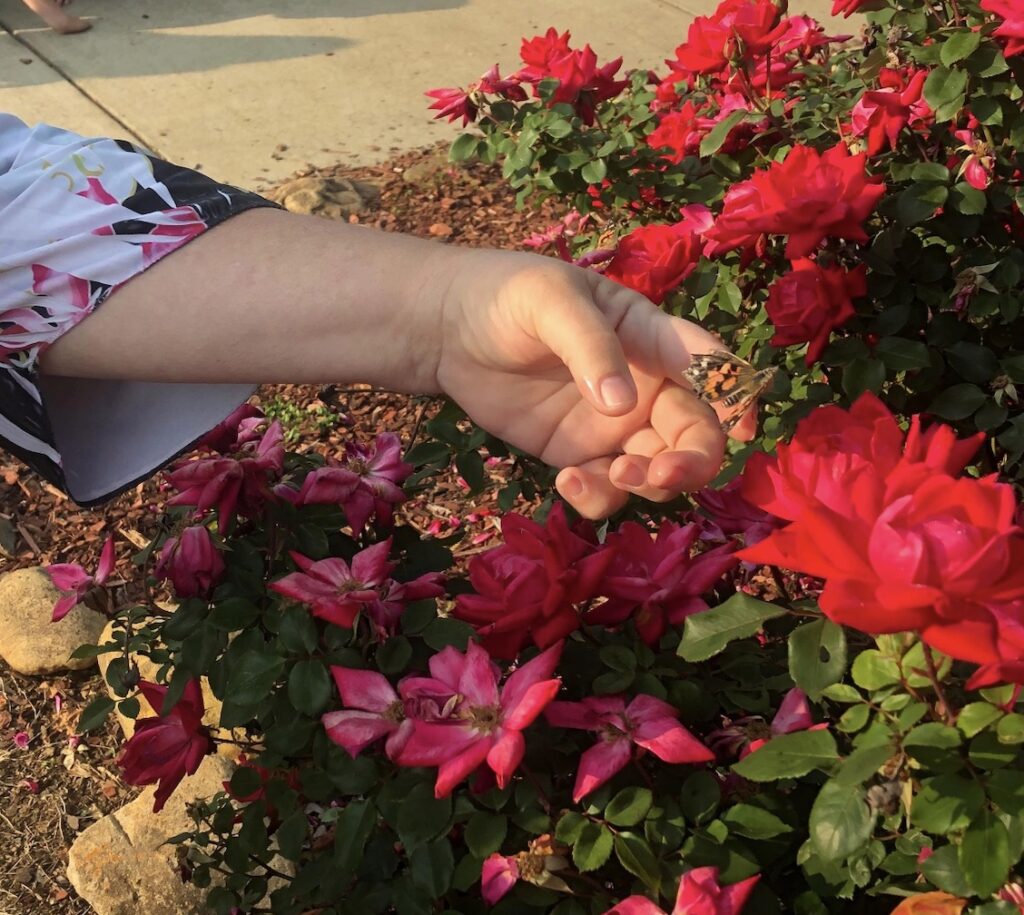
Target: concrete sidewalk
{"x": 251, "y": 90}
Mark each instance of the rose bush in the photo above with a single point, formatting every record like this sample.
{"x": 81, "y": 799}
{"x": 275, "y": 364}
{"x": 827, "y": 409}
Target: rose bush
{"x": 796, "y": 693}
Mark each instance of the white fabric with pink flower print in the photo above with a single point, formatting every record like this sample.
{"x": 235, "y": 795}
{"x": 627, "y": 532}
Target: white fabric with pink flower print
{"x": 79, "y": 217}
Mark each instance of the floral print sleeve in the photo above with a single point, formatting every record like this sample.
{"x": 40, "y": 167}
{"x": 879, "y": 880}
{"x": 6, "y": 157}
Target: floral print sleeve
{"x": 79, "y": 217}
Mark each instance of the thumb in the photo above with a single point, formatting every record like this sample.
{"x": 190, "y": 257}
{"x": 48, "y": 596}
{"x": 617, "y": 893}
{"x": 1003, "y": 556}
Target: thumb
{"x": 584, "y": 338}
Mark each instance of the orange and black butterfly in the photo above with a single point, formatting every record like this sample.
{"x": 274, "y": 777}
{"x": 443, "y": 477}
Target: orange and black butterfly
{"x": 727, "y": 382}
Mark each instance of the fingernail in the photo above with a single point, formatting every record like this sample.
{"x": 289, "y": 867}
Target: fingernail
{"x": 616, "y": 392}
{"x": 632, "y": 475}
{"x": 572, "y": 488}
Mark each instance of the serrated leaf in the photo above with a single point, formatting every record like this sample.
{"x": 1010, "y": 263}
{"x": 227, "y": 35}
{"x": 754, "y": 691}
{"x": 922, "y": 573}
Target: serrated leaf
{"x": 976, "y": 716}
{"x": 817, "y": 656}
{"x": 984, "y": 854}
{"x": 946, "y": 803}
{"x": 95, "y": 714}
{"x": 309, "y": 687}
{"x": 485, "y": 832}
{"x": 841, "y": 822}
{"x": 706, "y": 634}
{"x": 593, "y": 847}
{"x": 754, "y": 822}
{"x": 718, "y": 135}
{"x": 789, "y": 756}
{"x": 636, "y": 856}
{"x": 628, "y": 807}
{"x": 958, "y": 46}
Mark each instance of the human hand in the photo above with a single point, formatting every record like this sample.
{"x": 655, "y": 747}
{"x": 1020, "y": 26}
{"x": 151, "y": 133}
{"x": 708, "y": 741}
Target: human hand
{"x": 582, "y": 372}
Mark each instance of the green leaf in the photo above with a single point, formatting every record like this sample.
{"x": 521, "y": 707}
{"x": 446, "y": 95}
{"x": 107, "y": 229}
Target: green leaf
{"x": 309, "y": 687}
{"x": 485, "y": 832}
{"x": 943, "y": 869}
{"x": 432, "y": 866}
{"x": 754, "y": 822}
{"x": 863, "y": 375}
{"x": 946, "y": 803}
{"x": 958, "y": 46}
{"x": 253, "y": 676}
{"x": 569, "y": 827}
{"x": 422, "y": 817}
{"x": 95, "y": 714}
{"x": 699, "y": 796}
{"x": 352, "y": 830}
{"x": 958, "y": 401}
{"x": 817, "y": 656}
{"x": 618, "y": 657}
{"x": 789, "y": 756}
{"x": 944, "y": 91}
{"x": 976, "y": 716}
{"x": 714, "y": 140}
{"x": 595, "y": 171}
{"x": 902, "y": 355}
{"x": 470, "y": 466}
{"x": 984, "y": 854}
{"x": 394, "y": 655}
{"x": 636, "y": 856}
{"x": 873, "y": 670}
{"x": 919, "y": 202}
{"x": 842, "y": 692}
{"x": 628, "y": 807}
{"x": 862, "y": 764}
{"x": 291, "y": 835}
{"x": 1010, "y": 729}
{"x": 463, "y": 148}
{"x": 841, "y": 821}
{"x": 592, "y": 848}
{"x": 706, "y": 634}
{"x": 968, "y": 200}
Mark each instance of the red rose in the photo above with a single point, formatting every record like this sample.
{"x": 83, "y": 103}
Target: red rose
{"x": 901, "y": 544}
{"x": 528, "y": 588}
{"x": 655, "y": 259}
{"x": 883, "y": 113}
{"x": 679, "y": 133}
{"x": 164, "y": 750}
{"x": 849, "y": 7}
{"x": 809, "y": 302}
{"x": 808, "y": 196}
{"x": 192, "y": 562}
{"x": 832, "y": 446}
{"x": 581, "y": 83}
{"x": 747, "y": 27}
{"x": 1012, "y": 29}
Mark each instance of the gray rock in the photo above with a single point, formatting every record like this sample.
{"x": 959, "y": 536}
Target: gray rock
{"x": 334, "y": 198}
{"x": 29, "y": 642}
{"x": 120, "y": 866}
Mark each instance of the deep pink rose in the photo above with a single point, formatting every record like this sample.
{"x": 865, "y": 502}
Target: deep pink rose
{"x": 809, "y": 302}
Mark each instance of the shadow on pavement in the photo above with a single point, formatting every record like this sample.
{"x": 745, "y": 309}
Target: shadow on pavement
{"x": 128, "y": 38}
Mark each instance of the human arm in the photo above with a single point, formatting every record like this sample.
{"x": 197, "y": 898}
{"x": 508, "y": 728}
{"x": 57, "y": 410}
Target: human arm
{"x": 523, "y": 343}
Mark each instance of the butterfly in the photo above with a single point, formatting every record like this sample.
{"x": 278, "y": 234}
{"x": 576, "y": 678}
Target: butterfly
{"x": 728, "y": 382}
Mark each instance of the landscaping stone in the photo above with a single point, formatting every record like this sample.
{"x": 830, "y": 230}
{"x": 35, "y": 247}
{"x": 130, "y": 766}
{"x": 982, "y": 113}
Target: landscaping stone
{"x": 335, "y": 198}
{"x": 120, "y": 865}
{"x": 29, "y": 642}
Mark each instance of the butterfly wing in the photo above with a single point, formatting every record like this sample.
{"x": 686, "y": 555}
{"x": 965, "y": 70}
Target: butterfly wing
{"x": 728, "y": 383}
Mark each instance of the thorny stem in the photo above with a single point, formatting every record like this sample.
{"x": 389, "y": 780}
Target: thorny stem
{"x": 933, "y": 675}
{"x": 545, "y": 801}
{"x": 419, "y": 421}
{"x": 780, "y": 583}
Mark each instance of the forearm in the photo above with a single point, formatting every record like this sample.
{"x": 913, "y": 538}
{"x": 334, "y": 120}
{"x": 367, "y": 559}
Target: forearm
{"x": 273, "y": 297}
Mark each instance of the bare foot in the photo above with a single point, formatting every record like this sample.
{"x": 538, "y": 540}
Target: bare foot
{"x": 52, "y": 13}
{"x": 71, "y": 25}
